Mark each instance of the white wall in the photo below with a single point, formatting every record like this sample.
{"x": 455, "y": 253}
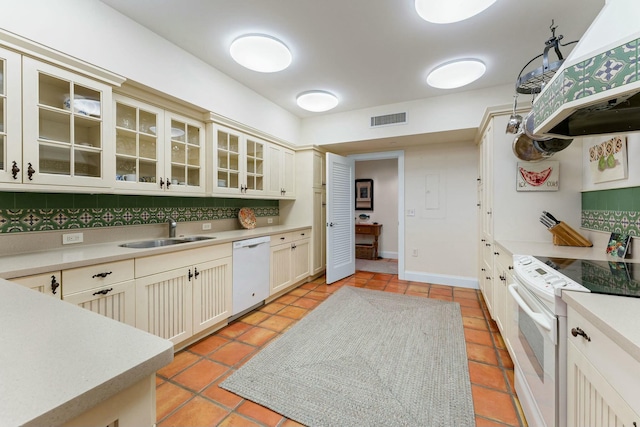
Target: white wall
{"x": 385, "y": 201}
{"x": 437, "y": 114}
{"x": 444, "y": 235}
{"x": 633, "y": 162}
{"x": 516, "y": 214}
{"x": 93, "y": 32}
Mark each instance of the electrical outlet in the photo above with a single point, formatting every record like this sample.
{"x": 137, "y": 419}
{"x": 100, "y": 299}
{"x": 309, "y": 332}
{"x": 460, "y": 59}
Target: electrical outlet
{"x": 269, "y": 220}
{"x": 206, "y": 226}
{"x": 411, "y": 212}
{"x": 414, "y": 252}
{"x": 70, "y": 238}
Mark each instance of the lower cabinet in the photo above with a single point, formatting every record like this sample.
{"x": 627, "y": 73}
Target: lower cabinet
{"x": 107, "y": 289}
{"x": 602, "y": 379}
{"x": 46, "y": 283}
{"x": 186, "y": 298}
{"x": 290, "y": 259}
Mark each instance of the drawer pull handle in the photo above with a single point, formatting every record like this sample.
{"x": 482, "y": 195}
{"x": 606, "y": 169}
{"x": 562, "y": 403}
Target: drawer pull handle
{"x": 103, "y": 292}
{"x": 197, "y": 273}
{"x": 577, "y": 331}
{"x": 102, "y": 275}
{"x": 54, "y": 285}
{"x": 282, "y": 238}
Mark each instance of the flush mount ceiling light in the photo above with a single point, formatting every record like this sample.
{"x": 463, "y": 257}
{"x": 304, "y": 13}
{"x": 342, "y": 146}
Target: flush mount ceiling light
{"x": 259, "y": 52}
{"x": 455, "y": 74}
{"x": 446, "y": 12}
{"x": 317, "y": 100}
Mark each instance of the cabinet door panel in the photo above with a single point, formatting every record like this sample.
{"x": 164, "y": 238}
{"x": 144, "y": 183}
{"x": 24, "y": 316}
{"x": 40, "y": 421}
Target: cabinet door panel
{"x": 280, "y": 267}
{"x": 116, "y": 302}
{"x": 64, "y": 132}
{"x": 164, "y": 304}
{"x": 212, "y": 293}
{"x": 301, "y": 266}
{"x": 46, "y": 283}
{"x": 10, "y": 116}
{"x": 591, "y": 401}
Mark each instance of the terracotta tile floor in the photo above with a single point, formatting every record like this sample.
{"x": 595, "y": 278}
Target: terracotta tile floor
{"x": 188, "y": 392}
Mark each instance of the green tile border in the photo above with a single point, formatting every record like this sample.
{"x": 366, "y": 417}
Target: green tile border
{"x": 28, "y": 212}
{"x": 615, "y": 210}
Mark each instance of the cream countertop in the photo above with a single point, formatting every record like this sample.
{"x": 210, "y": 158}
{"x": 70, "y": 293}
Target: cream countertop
{"x": 80, "y": 255}
{"x": 59, "y": 360}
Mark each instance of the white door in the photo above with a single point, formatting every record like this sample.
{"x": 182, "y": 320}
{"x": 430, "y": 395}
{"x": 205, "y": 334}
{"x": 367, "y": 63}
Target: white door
{"x": 341, "y": 248}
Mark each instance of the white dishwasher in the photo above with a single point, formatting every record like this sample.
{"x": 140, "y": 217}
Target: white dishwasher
{"x": 250, "y": 273}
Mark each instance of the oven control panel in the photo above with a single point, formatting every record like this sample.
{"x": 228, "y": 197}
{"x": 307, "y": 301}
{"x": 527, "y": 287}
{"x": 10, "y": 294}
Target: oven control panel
{"x": 542, "y": 278}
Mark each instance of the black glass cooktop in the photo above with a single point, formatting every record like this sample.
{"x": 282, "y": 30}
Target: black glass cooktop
{"x": 600, "y": 277}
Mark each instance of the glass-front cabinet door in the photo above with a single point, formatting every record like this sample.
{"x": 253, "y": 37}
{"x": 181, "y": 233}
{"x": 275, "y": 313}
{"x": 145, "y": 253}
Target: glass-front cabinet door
{"x": 10, "y": 117}
{"x": 227, "y": 164}
{"x": 139, "y": 132}
{"x": 64, "y": 130}
{"x": 185, "y": 146}
{"x": 254, "y": 162}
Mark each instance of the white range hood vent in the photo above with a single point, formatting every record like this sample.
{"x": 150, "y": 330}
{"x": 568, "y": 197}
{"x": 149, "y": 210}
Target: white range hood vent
{"x": 597, "y": 88}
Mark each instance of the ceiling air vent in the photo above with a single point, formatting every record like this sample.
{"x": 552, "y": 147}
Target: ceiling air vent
{"x": 389, "y": 119}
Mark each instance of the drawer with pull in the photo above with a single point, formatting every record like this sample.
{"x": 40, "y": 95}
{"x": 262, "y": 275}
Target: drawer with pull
{"x": 94, "y": 276}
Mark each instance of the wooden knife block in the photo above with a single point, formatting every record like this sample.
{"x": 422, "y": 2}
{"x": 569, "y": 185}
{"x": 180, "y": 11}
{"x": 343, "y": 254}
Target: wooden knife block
{"x": 564, "y": 235}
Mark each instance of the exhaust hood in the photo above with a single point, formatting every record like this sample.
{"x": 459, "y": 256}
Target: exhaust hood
{"x": 597, "y": 88}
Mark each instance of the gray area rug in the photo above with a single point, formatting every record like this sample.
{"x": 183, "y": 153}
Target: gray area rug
{"x": 377, "y": 266}
{"x": 366, "y": 358}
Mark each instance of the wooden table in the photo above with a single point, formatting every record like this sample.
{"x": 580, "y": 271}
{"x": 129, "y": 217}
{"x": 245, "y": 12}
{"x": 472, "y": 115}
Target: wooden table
{"x": 371, "y": 230}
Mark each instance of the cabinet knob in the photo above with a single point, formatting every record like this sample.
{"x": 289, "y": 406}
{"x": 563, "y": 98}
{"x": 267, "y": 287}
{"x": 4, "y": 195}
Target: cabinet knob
{"x": 189, "y": 275}
{"x": 496, "y": 253}
{"x": 30, "y": 172}
{"x": 54, "y": 285}
{"x": 577, "y": 331}
{"x": 503, "y": 277}
{"x": 510, "y": 267}
{"x": 14, "y": 170}
{"x": 168, "y": 183}
{"x": 196, "y": 272}
{"x": 161, "y": 183}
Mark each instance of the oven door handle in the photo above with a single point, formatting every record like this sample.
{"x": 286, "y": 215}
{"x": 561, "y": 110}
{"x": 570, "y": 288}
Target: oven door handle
{"x": 537, "y": 317}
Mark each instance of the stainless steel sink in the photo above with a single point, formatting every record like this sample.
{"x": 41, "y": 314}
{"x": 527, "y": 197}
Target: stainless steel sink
{"x": 196, "y": 238}
{"x": 152, "y": 243}
{"x": 156, "y": 243}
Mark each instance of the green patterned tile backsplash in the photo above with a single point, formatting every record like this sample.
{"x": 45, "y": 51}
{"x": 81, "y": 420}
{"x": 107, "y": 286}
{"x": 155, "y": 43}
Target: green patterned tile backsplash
{"x": 46, "y": 211}
{"x": 616, "y": 210}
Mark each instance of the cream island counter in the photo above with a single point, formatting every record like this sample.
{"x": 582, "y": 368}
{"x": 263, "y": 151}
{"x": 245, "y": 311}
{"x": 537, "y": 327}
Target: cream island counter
{"x": 63, "y": 365}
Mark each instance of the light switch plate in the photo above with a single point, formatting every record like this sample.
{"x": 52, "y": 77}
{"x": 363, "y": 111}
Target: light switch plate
{"x": 206, "y": 226}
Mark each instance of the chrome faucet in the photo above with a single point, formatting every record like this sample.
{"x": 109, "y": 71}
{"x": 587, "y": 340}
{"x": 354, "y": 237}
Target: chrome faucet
{"x": 172, "y": 227}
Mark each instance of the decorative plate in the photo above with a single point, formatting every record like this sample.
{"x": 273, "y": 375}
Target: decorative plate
{"x": 247, "y": 218}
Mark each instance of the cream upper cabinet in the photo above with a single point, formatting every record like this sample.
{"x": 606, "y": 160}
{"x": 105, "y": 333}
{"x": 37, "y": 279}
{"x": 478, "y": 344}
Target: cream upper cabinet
{"x": 239, "y": 164}
{"x": 10, "y": 117}
{"x": 157, "y": 150}
{"x": 66, "y": 127}
{"x": 281, "y": 172}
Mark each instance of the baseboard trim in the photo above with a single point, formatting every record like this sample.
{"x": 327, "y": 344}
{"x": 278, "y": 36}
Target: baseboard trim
{"x": 442, "y": 279}
{"x": 390, "y": 255}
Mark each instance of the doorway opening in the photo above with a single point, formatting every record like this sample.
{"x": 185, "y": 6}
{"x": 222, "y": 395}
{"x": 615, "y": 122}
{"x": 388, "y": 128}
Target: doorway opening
{"x": 388, "y": 208}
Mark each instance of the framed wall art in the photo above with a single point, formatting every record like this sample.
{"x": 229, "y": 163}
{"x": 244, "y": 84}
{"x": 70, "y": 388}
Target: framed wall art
{"x": 608, "y": 160}
{"x": 364, "y": 195}
{"x": 538, "y": 176}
